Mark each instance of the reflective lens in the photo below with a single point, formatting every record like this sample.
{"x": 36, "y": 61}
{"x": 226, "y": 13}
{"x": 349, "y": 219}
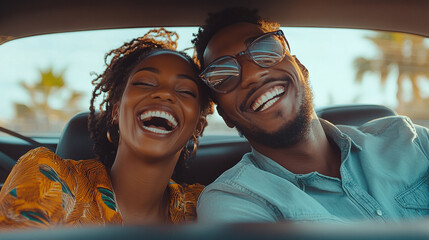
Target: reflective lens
{"x": 223, "y": 74}
{"x": 267, "y": 51}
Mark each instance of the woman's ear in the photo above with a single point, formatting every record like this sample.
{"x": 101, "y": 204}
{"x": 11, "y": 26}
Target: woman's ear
{"x": 115, "y": 113}
{"x": 202, "y": 123}
{"x": 225, "y": 117}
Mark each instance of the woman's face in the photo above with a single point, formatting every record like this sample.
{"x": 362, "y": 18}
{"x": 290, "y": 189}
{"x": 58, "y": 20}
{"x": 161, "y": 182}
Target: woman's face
{"x": 159, "y": 110}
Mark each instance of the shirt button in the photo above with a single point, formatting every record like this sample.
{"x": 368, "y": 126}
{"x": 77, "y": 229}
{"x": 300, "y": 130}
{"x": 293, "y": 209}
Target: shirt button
{"x": 379, "y": 212}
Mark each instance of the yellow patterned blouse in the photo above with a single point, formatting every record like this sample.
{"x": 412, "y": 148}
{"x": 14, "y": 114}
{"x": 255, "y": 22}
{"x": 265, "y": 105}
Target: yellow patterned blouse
{"x": 44, "y": 190}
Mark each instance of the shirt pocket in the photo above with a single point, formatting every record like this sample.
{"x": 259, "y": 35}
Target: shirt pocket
{"x": 416, "y": 197}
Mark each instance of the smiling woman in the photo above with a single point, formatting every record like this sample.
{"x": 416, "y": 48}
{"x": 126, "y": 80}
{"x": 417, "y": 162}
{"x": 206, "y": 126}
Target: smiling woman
{"x": 152, "y": 106}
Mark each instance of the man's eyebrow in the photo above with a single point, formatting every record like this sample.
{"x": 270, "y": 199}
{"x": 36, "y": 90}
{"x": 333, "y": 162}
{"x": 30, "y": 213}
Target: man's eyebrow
{"x": 250, "y": 40}
{"x": 150, "y": 69}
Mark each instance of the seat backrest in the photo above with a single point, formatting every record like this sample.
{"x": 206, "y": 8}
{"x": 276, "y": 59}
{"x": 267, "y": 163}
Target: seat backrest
{"x": 75, "y": 141}
{"x": 354, "y": 115}
{"x": 215, "y": 154}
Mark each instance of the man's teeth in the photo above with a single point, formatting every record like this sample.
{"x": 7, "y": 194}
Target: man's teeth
{"x": 268, "y": 98}
{"x": 269, "y": 103}
{"x": 161, "y": 114}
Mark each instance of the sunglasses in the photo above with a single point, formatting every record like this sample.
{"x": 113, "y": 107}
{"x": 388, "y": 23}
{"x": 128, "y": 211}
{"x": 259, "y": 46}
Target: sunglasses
{"x": 224, "y": 74}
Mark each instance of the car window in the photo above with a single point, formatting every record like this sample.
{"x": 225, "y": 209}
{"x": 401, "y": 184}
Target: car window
{"x": 47, "y": 79}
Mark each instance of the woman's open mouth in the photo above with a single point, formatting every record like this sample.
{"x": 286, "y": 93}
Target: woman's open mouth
{"x": 158, "y": 121}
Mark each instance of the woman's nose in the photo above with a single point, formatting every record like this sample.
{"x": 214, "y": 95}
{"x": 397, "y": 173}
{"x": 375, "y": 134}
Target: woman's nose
{"x": 164, "y": 95}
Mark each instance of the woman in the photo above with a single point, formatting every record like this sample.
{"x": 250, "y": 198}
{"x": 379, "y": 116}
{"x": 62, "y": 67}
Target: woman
{"x": 153, "y": 105}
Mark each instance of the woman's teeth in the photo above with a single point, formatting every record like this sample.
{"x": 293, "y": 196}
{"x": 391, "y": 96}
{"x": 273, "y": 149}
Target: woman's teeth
{"x": 160, "y": 122}
{"x": 161, "y": 114}
{"x": 156, "y": 130}
{"x": 267, "y": 99}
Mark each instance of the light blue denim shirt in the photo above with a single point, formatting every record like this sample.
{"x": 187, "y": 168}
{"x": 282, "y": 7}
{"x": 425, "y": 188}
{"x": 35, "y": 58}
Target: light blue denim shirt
{"x": 384, "y": 177}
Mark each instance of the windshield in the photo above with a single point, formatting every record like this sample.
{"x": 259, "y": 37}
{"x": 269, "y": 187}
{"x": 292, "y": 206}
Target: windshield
{"x": 47, "y": 79}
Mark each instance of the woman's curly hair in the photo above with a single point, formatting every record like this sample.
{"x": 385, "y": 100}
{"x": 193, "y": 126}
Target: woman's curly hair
{"x": 112, "y": 82}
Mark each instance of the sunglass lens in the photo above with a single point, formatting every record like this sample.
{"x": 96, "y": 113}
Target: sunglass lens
{"x": 267, "y": 51}
{"x": 222, "y": 74}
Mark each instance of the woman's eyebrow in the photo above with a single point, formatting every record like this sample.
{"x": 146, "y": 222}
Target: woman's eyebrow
{"x": 155, "y": 70}
{"x": 184, "y": 76}
{"x": 150, "y": 69}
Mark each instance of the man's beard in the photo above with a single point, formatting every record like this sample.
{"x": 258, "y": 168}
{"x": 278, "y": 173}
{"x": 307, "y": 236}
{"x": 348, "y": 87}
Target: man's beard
{"x": 290, "y": 133}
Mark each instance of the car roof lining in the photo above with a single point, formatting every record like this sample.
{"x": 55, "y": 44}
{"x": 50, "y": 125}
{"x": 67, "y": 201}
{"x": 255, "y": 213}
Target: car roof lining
{"x": 21, "y": 18}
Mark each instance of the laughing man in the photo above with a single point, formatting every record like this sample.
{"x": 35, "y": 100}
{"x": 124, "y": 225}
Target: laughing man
{"x": 301, "y": 168}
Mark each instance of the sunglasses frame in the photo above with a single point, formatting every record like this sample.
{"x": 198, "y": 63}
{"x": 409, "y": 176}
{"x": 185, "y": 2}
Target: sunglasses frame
{"x": 234, "y": 58}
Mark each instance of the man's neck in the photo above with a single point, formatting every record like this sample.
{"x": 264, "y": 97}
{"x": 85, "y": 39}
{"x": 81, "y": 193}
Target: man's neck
{"x": 315, "y": 152}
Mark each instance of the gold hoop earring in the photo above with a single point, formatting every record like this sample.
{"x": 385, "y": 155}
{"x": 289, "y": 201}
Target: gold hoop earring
{"x": 195, "y": 140}
{"x": 108, "y": 137}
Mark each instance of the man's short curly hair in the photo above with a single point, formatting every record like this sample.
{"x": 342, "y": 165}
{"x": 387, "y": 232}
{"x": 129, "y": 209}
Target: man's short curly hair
{"x": 229, "y": 16}
{"x": 110, "y": 85}
{"x": 226, "y": 17}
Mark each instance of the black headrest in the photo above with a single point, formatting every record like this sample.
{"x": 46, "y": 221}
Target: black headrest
{"x": 75, "y": 142}
{"x": 215, "y": 153}
{"x": 354, "y": 115}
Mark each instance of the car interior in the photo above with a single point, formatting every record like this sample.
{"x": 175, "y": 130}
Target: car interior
{"x": 216, "y": 153}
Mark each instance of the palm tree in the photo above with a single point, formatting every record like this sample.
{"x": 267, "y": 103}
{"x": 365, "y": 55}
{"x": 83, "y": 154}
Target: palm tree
{"x": 407, "y": 55}
{"x": 40, "y": 114}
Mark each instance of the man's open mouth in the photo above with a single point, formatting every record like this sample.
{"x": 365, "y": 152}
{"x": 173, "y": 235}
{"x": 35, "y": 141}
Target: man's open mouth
{"x": 268, "y": 98}
{"x": 160, "y": 122}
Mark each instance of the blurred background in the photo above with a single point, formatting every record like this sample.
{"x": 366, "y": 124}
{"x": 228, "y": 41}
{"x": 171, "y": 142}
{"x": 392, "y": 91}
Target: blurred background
{"x": 46, "y": 79}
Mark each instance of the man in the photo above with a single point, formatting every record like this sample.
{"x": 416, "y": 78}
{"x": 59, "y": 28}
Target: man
{"x": 301, "y": 168}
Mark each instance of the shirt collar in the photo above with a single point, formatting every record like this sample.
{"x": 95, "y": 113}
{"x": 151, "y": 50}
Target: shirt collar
{"x": 337, "y": 135}
{"x": 344, "y": 142}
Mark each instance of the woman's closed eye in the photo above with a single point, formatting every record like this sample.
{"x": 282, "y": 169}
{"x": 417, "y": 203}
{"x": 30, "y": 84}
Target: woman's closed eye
{"x": 148, "y": 84}
{"x": 187, "y": 92}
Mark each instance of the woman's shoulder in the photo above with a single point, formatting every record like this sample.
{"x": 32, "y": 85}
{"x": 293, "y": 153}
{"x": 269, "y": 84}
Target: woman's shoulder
{"x": 44, "y": 189}
{"x": 42, "y": 159}
{"x": 41, "y": 163}
{"x": 188, "y": 191}
{"x": 43, "y": 155}
{"x": 194, "y": 189}
{"x": 183, "y": 201}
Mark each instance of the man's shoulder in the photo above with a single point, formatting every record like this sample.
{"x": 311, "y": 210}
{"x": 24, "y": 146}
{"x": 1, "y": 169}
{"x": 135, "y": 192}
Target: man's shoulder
{"x": 239, "y": 172}
{"x": 388, "y": 132}
{"x": 248, "y": 177}
{"x": 382, "y": 126}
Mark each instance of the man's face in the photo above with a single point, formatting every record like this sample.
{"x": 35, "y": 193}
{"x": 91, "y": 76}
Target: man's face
{"x": 271, "y": 106}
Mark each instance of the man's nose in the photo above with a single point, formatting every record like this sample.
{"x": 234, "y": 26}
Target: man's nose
{"x": 251, "y": 73}
{"x": 164, "y": 95}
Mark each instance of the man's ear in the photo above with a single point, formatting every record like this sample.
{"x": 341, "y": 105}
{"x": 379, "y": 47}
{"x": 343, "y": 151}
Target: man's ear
{"x": 115, "y": 113}
{"x": 301, "y": 67}
{"x": 225, "y": 117}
